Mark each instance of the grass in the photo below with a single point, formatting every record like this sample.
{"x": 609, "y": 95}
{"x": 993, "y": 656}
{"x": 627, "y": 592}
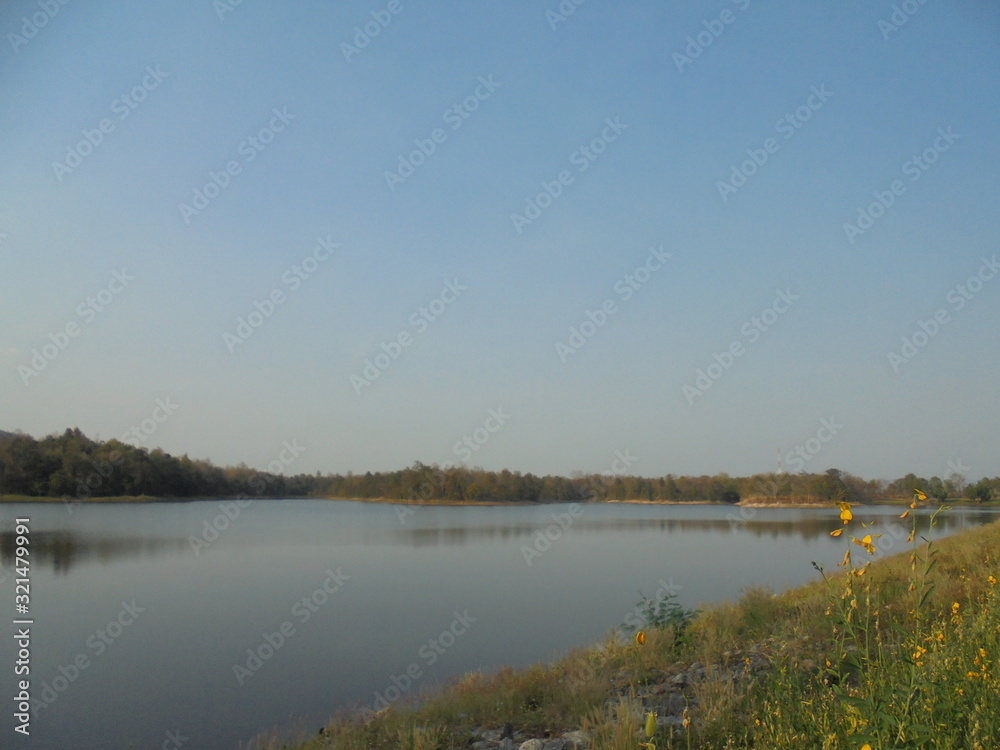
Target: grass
{"x": 900, "y": 653}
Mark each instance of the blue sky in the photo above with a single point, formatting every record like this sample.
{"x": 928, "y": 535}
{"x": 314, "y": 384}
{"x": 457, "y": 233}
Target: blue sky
{"x": 833, "y": 102}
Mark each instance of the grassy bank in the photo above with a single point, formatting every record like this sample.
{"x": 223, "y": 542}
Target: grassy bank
{"x": 899, "y": 653}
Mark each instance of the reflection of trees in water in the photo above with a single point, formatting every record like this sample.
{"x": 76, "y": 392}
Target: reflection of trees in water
{"x": 63, "y": 549}
{"x": 807, "y": 529}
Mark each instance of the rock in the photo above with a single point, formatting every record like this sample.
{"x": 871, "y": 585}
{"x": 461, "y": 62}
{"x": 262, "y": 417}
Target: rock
{"x": 674, "y": 704}
{"x": 679, "y": 680}
{"x": 532, "y": 744}
{"x": 507, "y": 731}
{"x": 577, "y": 739}
{"x": 557, "y": 744}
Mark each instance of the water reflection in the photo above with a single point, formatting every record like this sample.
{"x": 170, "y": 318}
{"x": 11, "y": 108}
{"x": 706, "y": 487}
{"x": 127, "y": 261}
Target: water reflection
{"x": 62, "y": 550}
{"x": 815, "y": 526}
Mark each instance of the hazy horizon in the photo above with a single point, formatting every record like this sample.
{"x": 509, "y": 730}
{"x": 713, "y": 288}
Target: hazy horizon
{"x": 509, "y": 237}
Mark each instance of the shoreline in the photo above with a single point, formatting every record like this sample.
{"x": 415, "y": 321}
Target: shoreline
{"x": 747, "y": 503}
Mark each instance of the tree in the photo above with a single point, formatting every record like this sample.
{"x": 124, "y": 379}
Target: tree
{"x": 980, "y": 491}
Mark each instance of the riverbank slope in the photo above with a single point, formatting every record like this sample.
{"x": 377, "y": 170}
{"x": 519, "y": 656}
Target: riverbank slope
{"x": 894, "y": 652}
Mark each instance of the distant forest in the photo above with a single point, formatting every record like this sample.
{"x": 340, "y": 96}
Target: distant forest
{"x": 74, "y": 467}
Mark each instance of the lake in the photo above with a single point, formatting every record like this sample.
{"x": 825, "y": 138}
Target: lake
{"x": 213, "y": 623}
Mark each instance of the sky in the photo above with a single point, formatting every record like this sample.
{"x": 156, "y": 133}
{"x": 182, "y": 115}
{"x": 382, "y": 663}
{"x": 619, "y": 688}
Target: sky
{"x": 551, "y": 237}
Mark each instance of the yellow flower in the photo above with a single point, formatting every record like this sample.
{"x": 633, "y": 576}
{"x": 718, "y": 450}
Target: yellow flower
{"x": 992, "y": 580}
{"x": 845, "y": 513}
{"x": 866, "y": 746}
{"x": 640, "y": 638}
{"x": 905, "y": 514}
{"x": 920, "y": 494}
{"x": 838, "y": 532}
{"x": 982, "y": 652}
{"x": 866, "y": 542}
{"x": 955, "y": 607}
{"x": 650, "y": 724}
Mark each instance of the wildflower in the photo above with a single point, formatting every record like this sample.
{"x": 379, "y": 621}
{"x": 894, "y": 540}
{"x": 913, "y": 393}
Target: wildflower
{"x": 866, "y": 542}
{"x": 845, "y": 512}
{"x": 866, "y": 746}
{"x": 940, "y": 637}
{"x": 992, "y": 580}
{"x": 685, "y": 719}
{"x": 982, "y": 652}
{"x": 920, "y": 494}
{"x": 640, "y": 638}
{"x": 838, "y": 532}
{"x": 905, "y": 514}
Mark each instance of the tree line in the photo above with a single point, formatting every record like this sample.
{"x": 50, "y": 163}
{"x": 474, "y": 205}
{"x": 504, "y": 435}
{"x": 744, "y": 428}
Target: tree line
{"x": 74, "y": 467}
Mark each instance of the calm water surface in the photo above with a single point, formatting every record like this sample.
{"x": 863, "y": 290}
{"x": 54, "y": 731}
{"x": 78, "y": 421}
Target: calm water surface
{"x": 159, "y": 628}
